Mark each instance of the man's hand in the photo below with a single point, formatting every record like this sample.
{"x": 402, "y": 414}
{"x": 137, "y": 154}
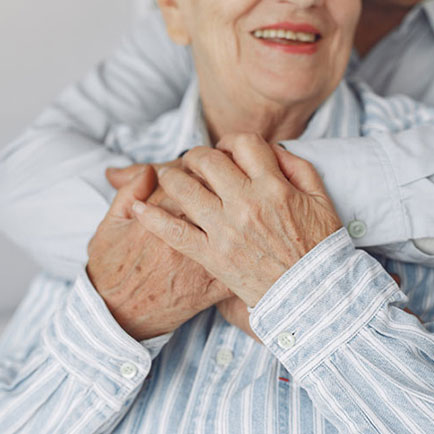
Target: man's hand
{"x": 149, "y": 288}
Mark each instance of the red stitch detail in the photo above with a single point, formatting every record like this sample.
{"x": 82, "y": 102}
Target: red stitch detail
{"x": 284, "y": 379}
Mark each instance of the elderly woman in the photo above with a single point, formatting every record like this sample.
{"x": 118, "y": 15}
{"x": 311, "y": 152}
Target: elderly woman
{"x": 338, "y": 353}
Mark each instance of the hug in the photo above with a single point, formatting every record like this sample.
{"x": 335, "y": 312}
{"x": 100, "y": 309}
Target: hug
{"x": 235, "y": 218}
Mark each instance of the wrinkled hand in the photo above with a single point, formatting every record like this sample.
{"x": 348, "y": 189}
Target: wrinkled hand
{"x": 232, "y": 309}
{"x": 149, "y": 288}
{"x": 254, "y": 224}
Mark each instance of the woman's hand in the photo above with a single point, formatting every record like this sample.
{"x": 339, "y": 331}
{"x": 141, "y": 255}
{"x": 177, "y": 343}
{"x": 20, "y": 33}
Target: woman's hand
{"x": 253, "y": 222}
{"x": 150, "y": 288}
{"x": 232, "y": 309}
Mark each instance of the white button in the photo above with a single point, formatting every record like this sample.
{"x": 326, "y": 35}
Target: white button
{"x": 357, "y": 229}
{"x": 224, "y": 357}
{"x": 128, "y": 370}
{"x": 286, "y": 340}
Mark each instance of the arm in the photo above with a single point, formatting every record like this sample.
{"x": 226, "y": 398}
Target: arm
{"x": 63, "y": 362}
{"x": 335, "y": 320}
{"x": 69, "y": 351}
{"x": 385, "y": 181}
{"x": 367, "y": 365}
{"x": 52, "y": 179}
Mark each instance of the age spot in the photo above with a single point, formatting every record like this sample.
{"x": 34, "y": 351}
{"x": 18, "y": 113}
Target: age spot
{"x": 138, "y": 268}
{"x": 121, "y": 267}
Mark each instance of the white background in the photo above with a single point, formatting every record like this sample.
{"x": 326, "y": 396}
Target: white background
{"x": 44, "y": 45}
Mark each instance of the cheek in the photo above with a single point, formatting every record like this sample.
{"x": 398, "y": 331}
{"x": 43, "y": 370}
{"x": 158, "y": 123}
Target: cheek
{"x": 345, "y": 14}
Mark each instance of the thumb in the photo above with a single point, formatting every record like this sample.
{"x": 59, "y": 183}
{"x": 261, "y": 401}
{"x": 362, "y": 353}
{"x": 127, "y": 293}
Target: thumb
{"x": 300, "y": 173}
{"x": 139, "y": 187}
{"x": 118, "y": 177}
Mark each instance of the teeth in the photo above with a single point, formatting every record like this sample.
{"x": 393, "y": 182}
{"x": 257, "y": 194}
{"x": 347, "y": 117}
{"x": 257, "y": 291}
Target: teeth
{"x": 305, "y": 37}
{"x": 282, "y": 34}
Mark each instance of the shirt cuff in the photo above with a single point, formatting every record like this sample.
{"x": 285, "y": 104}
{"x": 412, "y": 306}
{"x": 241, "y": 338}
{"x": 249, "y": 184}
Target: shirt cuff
{"x": 321, "y": 303}
{"x": 155, "y": 345}
{"x": 372, "y": 210}
{"x": 85, "y": 338}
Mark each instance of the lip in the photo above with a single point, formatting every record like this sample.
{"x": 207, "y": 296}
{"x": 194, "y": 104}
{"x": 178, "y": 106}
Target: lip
{"x": 300, "y": 48}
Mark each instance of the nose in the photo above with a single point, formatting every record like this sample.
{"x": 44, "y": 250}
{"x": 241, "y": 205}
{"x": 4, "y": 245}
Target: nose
{"x": 303, "y": 3}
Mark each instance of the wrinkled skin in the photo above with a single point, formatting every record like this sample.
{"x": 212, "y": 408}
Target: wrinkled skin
{"x": 255, "y": 224}
{"x": 149, "y": 288}
{"x": 233, "y": 309}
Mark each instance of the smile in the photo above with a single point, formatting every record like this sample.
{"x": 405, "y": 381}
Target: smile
{"x": 290, "y": 37}
{"x": 286, "y": 35}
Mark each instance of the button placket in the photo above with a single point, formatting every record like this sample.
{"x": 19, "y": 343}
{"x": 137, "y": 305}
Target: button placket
{"x": 224, "y": 357}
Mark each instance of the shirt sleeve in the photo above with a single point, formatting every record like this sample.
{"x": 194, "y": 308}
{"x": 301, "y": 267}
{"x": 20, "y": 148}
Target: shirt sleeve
{"x": 66, "y": 364}
{"x": 335, "y": 321}
{"x": 52, "y": 184}
{"x": 382, "y": 186}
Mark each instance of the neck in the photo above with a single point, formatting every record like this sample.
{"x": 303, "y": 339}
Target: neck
{"x": 378, "y": 19}
{"x": 273, "y": 121}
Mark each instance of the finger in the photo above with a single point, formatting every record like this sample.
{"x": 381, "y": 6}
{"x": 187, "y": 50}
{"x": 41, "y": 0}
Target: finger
{"x": 118, "y": 177}
{"x": 300, "y": 173}
{"x": 199, "y": 204}
{"x": 218, "y": 171}
{"x": 251, "y": 153}
{"x": 175, "y": 232}
{"x": 139, "y": 188}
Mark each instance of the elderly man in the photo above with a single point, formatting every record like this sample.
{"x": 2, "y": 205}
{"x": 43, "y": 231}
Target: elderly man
{"x": 128, "y": 370}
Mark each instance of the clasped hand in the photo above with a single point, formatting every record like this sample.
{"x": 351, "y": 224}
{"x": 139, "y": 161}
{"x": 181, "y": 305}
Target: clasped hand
{"x": 247, "y": 222}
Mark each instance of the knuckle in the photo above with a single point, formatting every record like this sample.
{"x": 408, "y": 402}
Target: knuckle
{"x": 193, "y": 154}
{"x": 247, "y": 139}
{"x": 307, "y": 165}
{"x": 177, "y": 231}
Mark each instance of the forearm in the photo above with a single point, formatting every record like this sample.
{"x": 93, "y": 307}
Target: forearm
{"x": 385, "y": 182}
{"x": 52, "y": 183}
{"x": 366, "y": 364}
{"x": 66, "y": 365}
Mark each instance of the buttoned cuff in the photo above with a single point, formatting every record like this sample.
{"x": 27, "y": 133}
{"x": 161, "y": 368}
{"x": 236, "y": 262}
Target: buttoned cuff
{"x": 90, "y": 344}
{"x": 321, "y": 303}
{"x": 371, "y": 210}
{"x": 155, "y": 345}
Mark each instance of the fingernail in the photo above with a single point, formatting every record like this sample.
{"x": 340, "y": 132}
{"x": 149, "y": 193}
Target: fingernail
{"x": 139, "y": 207}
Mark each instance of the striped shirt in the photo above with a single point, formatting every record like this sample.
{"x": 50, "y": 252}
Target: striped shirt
{"x": 339, "y": 353}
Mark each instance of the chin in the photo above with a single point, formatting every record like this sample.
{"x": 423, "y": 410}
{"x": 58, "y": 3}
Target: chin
{"x": 291, "y": 89}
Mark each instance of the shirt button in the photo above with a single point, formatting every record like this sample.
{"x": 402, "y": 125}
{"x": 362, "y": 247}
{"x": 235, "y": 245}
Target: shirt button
{"x": 357, "y": 229}
{"x": 286, "y": 340}
{"x": 224, "y": 357}
{"x": 128, "y": 370}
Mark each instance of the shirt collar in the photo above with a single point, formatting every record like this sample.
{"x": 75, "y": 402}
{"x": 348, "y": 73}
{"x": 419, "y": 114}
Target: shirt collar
{"x": 423, "y": 9}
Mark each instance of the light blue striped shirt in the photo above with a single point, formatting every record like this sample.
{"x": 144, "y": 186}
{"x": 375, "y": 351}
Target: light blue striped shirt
{"x": 339, "y": 352}
{"x": 359, "y": 364}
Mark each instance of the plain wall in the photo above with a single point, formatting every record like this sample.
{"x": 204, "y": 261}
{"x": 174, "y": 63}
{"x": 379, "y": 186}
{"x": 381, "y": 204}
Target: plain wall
{"x": 44, "y": 45}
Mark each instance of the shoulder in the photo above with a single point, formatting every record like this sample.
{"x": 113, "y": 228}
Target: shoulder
{"x": 389, "y": 114}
